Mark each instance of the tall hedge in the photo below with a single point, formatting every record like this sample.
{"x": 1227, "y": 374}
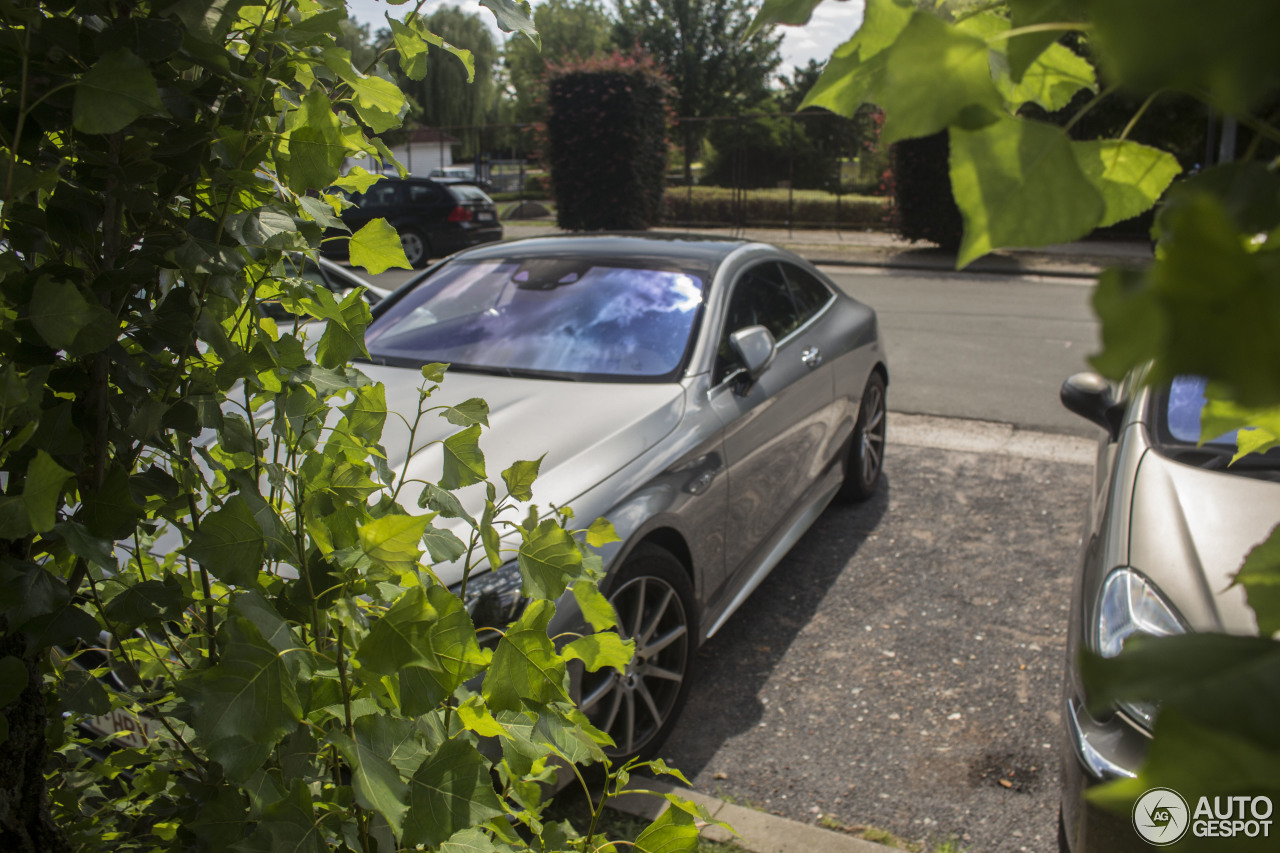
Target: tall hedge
{"x": 925, "y": 208}
{"x": 607, "y": 143}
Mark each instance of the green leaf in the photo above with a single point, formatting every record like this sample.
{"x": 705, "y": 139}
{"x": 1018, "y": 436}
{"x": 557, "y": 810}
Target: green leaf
{"x": 1154, "y": 44}
{"x": 1260, "y": 577}
{"x": 42, "y": 489}
{"x": 795, "y": 13}
{"x": 116, "y": 90}
{"x": 376, "y": 248}
{"x": 444, "y": 502}
{"x": 856, "y": 70}
{"x": 150, "y": 601}
{"x": 367, "y": 412}
{"x": 1052, "y": 79}
{"x": 82, "y": 693}
{"x": 936, "y": 76}
{"x": 476, "y": 717}
{"x": 549, "y": 560}
{"x": 229, "y": 543}
{"x": 1026, "y": 47}
{"x": 316, "y": 151}
{"x": 411, "y": 47}
{"x": 595, "y": 608}
{"x": 1131, "y": 177}
{"x": 13, "y": 679}
{"x": 377, "y": 783}
{"x": 380, "y": 103}
{"x": 393, "y": 541}
{"x": 514, "y": 16}
{"x": 61, "y": 313}
{"x": 520, "y": 478}
{"x": 452, "y": 791}
{"x": 247, "y": 700}
{"x": 290, "y": 824}
{"x": 357, "y": 180}
{"x": 525, "y": 664}
{"x": 601, "y": 533}
{"x": 674, "y": 831}
{"x": 1017, "y": 183}
{"x": 473, "y": 411}
{"x": 463, "y": 461}
{"x": 1202, "y": 676}
{"x": 597, "y": 651}
{"x": 443, "y": 545}
{"x": 343, "y": 337}
{"x": 571, "y": 733}
{"x": 426, "y": 637}
{"x": 1208, "y": 306}
{"x": 473, "y": 840}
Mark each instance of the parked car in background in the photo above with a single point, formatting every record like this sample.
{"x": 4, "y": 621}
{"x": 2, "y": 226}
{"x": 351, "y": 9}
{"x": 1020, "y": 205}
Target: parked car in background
{"x": 1170, "y": 523}
{"x": 709, "y": 397}
{"x": 459, "y": 175}
{"x": 433, "y": 219}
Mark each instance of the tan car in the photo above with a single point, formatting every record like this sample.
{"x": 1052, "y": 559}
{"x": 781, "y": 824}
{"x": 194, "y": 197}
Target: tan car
{"x": 1170, "y": 523}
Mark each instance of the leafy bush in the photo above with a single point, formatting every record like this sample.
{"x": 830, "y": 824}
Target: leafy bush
{"x": 207, "y": 495}
{"x": 606, "y": 134}
{"x": 924, "y": 208}
{"x": 716, "y": 206}
{"x": 767, "y": 151}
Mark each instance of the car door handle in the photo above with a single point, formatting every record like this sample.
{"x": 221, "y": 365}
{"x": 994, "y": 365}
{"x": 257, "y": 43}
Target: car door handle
{"x": 811, "y": 357}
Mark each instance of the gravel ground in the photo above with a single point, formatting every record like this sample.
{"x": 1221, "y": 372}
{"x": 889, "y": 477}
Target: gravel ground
{"x": 902, "y": 667}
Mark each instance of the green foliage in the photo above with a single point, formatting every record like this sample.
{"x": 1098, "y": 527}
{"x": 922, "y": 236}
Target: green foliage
{"x": 1208, "y": 304}
{"x": 207, "y": 491}
{"x": 606, "y": 131}
{"x": 569, "y": 30}
{"x": 720, "y": 206}
{"x": 923, "y": 206}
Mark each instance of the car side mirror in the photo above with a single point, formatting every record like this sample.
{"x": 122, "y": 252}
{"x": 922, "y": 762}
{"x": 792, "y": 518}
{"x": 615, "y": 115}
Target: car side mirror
{"x": 755, "y": 348}
{"x": 1089, "y": 396}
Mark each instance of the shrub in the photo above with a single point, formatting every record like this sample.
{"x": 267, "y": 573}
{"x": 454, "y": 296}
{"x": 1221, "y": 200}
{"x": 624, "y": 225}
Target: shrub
{"x": 925, "y": 208}
{"x": 766, "y": 152}
{"x": 713, "y": 206}
{"x": 606, "y": 134}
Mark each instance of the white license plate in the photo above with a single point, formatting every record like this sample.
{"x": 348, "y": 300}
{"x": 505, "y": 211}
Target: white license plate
{"x": 485, "y": 215}
{"x": 129, "y": 729}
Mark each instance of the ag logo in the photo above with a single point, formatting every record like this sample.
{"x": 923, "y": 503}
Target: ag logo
{"x": 1161, "y": 816}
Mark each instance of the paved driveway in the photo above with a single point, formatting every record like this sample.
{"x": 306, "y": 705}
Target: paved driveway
{"x": 901, "y": 668}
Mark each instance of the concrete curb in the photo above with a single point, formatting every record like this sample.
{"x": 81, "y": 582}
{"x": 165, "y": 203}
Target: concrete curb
{"x": 756, "y": 831}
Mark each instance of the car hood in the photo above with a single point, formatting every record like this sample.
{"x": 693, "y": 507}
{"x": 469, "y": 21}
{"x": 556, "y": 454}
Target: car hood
{"x": 1190, "y": 531}
{"x": 588, "y": 431}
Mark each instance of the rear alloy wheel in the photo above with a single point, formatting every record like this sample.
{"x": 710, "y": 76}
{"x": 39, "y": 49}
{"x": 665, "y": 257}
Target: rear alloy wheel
{"x": 865, "y": 460}
{"x": 637, "y": 708}
{"x": 416, "y": 248}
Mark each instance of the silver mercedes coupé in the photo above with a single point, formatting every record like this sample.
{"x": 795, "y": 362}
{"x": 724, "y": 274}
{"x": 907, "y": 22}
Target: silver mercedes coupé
{"x": 709, "y": 397}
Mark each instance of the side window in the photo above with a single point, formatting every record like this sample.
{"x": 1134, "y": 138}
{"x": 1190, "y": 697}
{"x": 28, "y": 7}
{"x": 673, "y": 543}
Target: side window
{"x": 811, "y": 294}
{"x": 382, "y": 194}
{"x": 760, "y": 297}
{"x": 423, "y": 194}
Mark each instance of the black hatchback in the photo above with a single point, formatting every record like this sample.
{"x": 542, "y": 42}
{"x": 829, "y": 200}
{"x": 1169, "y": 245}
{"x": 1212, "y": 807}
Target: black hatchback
{"x": 433, "y": 219}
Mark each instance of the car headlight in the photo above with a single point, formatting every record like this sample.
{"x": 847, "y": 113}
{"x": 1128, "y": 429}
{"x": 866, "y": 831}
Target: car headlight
{"x": 493, "y": 599}
{"x": 1129, "y": 604}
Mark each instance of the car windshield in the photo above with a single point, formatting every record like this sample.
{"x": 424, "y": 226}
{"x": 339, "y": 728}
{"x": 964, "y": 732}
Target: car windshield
{"x": 1179, "y": 408}
{"x": 592, "y": 319}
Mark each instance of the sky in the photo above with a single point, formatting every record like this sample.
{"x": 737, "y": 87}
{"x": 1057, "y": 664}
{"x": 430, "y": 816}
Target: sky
{"x": 834, "y": 21}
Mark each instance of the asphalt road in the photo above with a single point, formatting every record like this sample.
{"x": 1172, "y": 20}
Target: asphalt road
{"x": 901, "y": 668}
{"x": 991, "y": 347}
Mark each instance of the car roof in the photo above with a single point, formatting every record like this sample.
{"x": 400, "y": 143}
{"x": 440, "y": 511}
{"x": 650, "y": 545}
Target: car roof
{"x": 695, "y": 248}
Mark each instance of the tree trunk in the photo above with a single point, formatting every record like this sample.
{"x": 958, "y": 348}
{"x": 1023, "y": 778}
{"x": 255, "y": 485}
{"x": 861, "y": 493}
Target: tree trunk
{"x": 25, "y": 825}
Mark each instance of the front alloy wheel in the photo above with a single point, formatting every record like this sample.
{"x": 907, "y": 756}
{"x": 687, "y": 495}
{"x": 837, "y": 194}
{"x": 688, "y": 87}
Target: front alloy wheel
{"x": 637, "y": 708}
{"x": 865, "y": 461}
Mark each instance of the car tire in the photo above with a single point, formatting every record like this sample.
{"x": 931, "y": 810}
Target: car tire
{"x": 653, "y": 597}
{"x": 417, "y": 249}
{"x": 864, "y": 460}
